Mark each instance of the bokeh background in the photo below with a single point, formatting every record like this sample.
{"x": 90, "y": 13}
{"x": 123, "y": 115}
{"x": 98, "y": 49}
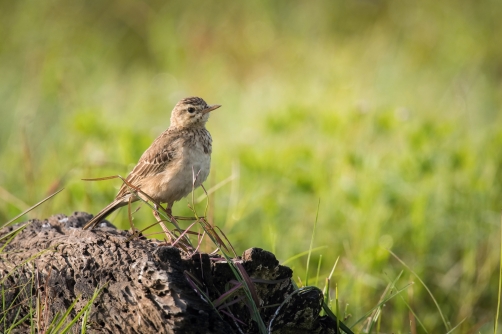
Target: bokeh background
{"x": 387, "y": 112}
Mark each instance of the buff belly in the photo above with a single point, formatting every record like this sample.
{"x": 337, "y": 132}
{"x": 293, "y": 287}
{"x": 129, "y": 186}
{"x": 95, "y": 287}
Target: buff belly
{"x": 178, "y": 181}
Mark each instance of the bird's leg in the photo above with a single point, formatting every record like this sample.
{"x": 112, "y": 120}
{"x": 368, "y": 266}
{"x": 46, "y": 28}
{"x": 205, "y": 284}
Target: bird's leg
{"x": 169, "y": 234}
{"x": 169, "y": 210}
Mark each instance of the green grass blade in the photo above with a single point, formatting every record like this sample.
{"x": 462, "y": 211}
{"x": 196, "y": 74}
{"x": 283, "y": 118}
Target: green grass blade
{"x": 454, "y": 328}
{"x": 85, "y": 309}
{"x": 378, "y": 310}
{"x": 311, "y": 244}
{"x": 334, "y": 267}
{"x": 19, "y": 322}
{"x": 426, "y": 288}
{"x": 325, "y": 293}
{"x": 337, "y": 309}
{"x": 365, "y": 315}
{"x": 318, "y": 270}
{"x": 497, "y": 314}
{"x": 302, "y": 254}
{"x": 60, "y": 319}
{"x": 414, "y": 314}
{"x": 85, "y": 318}
{"x": 11, "y": 235}
{"x": 330, "y": 314}
{"x": 26, "y": 261}
{"x": 33, "y": 207}
{"x": 51, "y": 328}
{"x": 5, "y": 308}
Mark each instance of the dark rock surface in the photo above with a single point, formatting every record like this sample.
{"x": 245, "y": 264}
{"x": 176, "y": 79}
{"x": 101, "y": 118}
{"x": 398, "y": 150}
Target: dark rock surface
{"x": 146, "y": 283}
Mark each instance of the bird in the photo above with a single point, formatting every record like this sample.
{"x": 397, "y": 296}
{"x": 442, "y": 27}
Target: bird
{"x": 177, "y": 161}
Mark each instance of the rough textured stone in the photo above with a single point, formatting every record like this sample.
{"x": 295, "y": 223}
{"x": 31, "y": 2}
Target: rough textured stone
{"x": 146, "y": 289}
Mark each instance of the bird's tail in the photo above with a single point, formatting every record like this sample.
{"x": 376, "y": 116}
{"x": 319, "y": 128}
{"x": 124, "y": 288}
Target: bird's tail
{"x": 105, "y": 212}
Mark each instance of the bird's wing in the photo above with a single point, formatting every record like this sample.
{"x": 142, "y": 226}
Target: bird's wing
{"x": 155, "y": 160}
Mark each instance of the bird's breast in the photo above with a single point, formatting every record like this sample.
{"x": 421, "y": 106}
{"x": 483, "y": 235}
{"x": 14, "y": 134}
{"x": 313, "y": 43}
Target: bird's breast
{"x": 197, "y": 163}
{"x": 188, "y": 171}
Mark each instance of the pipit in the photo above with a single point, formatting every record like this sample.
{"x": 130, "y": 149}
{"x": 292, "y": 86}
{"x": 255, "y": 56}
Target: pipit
{"x": 176, "y": 162}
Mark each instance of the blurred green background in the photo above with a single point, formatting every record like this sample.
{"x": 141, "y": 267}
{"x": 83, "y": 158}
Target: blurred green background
{"x": 386, "y": 111}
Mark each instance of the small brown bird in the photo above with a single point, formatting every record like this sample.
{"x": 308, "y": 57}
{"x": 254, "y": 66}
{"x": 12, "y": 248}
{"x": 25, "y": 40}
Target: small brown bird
{"x": 168, "y": 168}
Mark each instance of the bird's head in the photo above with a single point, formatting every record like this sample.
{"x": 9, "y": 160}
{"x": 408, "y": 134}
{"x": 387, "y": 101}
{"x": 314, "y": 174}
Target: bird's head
{"x": 191, "y": 112}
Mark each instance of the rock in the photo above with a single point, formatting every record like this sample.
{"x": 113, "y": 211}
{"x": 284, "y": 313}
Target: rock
{"x": 149, "y": 287}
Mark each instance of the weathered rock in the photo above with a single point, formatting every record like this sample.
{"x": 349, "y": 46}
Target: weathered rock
{"x": 146, "y": 289}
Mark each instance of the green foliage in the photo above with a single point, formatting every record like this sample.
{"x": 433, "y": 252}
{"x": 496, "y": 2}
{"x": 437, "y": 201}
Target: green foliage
{"x": 386, "y": 111}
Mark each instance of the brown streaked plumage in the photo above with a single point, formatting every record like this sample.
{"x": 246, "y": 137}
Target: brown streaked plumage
{"x": 167, "y": 168}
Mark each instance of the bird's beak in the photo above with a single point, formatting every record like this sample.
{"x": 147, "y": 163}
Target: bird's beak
{"x": 211, "y": 108}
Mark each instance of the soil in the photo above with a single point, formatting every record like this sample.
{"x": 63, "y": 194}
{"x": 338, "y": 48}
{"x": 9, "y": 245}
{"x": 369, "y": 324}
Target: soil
{"x": 147, "y": 286}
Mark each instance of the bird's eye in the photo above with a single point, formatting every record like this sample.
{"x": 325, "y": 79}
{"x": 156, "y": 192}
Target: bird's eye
{"x": 191, "y": 110}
